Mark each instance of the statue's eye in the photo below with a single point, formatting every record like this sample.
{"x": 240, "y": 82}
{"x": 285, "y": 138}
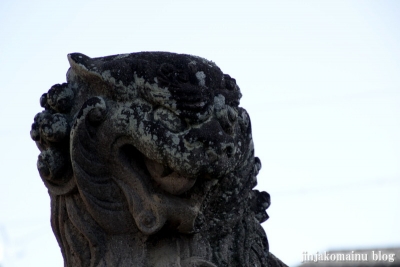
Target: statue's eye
{"x": 169, "y": 120}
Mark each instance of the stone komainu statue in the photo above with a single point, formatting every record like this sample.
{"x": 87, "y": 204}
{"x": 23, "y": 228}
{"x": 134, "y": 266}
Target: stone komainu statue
{"x": 149, "y": 161}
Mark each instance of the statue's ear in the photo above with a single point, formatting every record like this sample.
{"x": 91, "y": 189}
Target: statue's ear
{"x": 79, "y": 60}
{"x": 86, "y": 68}
{"x": 112, "y": 77}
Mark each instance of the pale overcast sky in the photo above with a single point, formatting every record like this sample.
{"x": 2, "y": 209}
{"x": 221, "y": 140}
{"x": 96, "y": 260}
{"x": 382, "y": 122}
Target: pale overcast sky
{"x": 320, "y": 79}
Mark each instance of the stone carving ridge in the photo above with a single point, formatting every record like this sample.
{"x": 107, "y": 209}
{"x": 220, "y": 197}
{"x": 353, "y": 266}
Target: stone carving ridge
{"x": 149, "y": 161}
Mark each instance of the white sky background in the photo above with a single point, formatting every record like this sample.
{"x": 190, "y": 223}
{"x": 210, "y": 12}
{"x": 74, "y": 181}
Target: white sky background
{"x": 320, "y": 79}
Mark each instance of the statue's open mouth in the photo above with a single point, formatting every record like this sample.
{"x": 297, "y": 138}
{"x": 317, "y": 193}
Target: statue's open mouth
{"x": 141, "y": 179}
{"x": 164, "y": 177}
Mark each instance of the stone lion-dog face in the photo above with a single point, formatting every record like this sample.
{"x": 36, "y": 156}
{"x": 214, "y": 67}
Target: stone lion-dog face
{"x": 151, "y": 145}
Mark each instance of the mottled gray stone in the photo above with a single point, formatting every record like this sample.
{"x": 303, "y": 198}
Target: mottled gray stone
{"x": 149, "y": 161}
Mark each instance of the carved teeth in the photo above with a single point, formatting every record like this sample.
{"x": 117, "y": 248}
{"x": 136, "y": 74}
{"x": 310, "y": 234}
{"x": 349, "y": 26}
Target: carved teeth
{"x": 169, "y": 180}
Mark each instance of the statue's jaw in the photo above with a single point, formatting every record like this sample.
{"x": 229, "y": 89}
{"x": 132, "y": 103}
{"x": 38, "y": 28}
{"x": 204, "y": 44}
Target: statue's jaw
{"x": 150, "y": 189}
{"x": 168, "y": 180}
{"x": 157, "y": 175}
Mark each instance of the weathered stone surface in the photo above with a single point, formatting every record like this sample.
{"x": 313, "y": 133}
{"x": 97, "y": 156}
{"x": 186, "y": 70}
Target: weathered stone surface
{"x": 149, "y": 161}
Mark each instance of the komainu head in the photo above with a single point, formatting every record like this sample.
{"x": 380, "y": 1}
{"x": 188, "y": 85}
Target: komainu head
{"x": 149, "y": 161}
